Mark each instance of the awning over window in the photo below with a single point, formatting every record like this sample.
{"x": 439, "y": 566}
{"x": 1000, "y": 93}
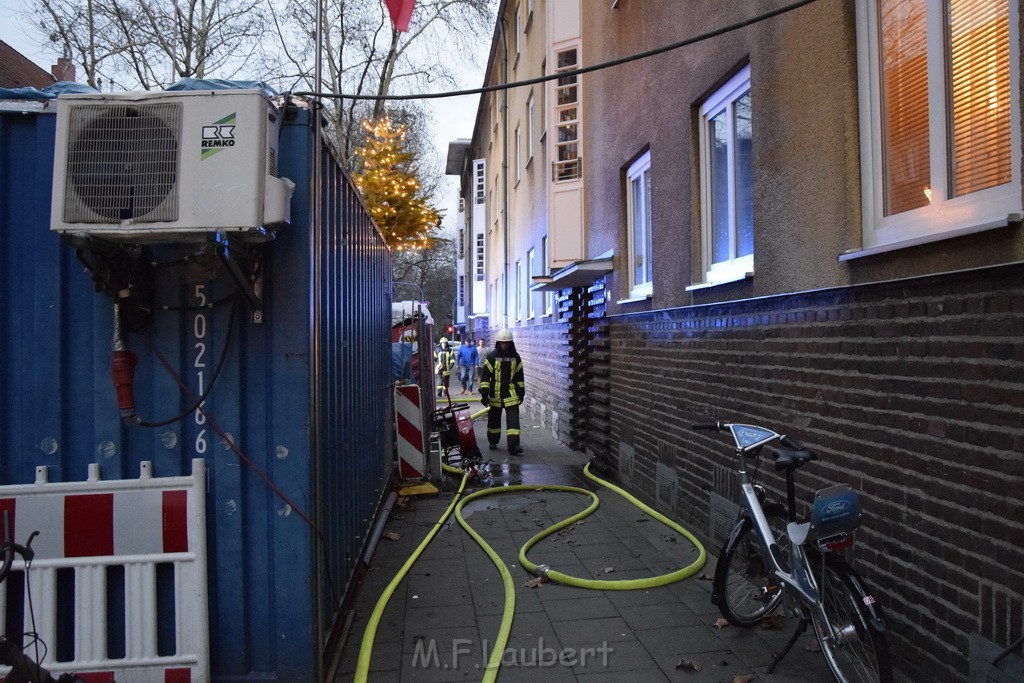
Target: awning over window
{"x": 576, "y": 274}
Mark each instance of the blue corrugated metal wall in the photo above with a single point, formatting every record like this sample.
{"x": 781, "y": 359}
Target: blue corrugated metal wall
{"x": 303, "y": 395}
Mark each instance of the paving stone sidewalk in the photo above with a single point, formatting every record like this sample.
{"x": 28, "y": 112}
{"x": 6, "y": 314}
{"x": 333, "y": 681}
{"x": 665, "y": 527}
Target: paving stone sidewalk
{"x": 441, "y": 622}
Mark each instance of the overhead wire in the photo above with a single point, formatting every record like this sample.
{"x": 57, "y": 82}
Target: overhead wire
{"x": 570, "y": 72}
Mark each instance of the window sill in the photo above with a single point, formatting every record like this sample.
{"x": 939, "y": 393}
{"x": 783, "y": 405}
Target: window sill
{"x": 634, "y": 299}
{"x": 726, "y": 281}
{"x": 894, "y": 246}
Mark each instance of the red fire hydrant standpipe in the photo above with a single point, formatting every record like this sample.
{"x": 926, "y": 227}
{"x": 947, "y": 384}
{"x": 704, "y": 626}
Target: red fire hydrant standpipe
{"x": 122, "y": 368}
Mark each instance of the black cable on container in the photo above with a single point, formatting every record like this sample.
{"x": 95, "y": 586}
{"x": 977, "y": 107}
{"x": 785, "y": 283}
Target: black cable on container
{"x": 213, "y": 379}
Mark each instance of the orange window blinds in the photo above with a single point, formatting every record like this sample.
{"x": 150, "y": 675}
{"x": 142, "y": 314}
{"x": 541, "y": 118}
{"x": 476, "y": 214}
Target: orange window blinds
{"x": 980, "y": 110}
{"x": 976, "y": 104}
{"x": 905, "y": 114}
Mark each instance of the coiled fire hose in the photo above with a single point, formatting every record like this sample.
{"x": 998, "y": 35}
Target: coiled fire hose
{"x": 458, "y": 502}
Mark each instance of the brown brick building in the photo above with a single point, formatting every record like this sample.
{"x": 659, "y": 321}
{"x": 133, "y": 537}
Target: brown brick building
{"x": 796, "y": 221}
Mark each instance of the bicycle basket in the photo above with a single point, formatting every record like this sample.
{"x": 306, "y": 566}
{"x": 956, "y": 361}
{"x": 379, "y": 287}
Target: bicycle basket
{"x": 835, "y": 513}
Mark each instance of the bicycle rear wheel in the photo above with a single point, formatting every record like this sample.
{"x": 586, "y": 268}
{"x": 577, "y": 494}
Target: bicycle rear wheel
{"x": 749, "y": 588}
{"x": 854, "y": 648}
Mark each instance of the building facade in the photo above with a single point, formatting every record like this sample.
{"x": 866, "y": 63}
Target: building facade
{"x": 803, "y": 215}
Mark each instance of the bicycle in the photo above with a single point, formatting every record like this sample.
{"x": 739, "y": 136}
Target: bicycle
{"x": 772, "y": 555}
{"x": 23, "y": 668}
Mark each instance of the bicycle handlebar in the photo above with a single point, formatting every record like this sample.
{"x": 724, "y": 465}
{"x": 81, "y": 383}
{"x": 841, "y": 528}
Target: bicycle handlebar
{"x": 717, "y": 426}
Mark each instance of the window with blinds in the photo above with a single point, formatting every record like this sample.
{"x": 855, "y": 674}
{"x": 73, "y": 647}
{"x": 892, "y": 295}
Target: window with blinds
{"x": 980, "y": 73}
{"x": 975, "y": 98}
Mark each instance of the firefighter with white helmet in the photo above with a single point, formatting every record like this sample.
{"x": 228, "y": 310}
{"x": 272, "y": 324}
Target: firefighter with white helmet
{"x": 502, "y": 387}
{"x": 444, "y": 361}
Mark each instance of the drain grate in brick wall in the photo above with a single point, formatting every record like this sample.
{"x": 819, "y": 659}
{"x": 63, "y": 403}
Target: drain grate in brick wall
{"x": 983, "y": 651}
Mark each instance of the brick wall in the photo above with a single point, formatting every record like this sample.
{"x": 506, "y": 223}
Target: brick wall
{"x": 545, "y": 353}
{"x": 912, "y": 392}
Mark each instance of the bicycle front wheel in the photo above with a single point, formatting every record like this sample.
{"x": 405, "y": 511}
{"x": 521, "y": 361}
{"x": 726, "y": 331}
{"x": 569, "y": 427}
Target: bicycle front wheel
{"x": 853, "y": 646}
{"x": 749, "y": 588}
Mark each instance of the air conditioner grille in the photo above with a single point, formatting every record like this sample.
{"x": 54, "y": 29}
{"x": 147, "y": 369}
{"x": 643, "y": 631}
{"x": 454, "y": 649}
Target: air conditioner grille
{"x": 123, "y": 163}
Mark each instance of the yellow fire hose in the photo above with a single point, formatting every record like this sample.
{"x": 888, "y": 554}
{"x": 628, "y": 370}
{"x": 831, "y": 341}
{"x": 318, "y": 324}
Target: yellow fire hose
{"x": 494, "y": 662}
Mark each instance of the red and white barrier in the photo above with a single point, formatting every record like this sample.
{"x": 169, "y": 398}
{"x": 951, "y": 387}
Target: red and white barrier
{"x": 134, "y": 526}
{"x": 412, "y": 442}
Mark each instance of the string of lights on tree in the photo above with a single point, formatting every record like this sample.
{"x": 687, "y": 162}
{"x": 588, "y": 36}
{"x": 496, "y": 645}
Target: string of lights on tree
{"x": 390, "y": 189}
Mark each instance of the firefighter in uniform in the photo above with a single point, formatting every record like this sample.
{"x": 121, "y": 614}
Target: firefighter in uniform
{"x": 444, "y": 361}
{"x": 502, "y": 386}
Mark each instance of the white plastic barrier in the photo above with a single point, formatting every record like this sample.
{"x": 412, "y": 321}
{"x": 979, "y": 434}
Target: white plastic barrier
{"x": 411, "y": 438}
{"x": 129, "y": 556}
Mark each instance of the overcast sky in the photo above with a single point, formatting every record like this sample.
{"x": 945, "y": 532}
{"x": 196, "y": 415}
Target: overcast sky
{"x": 453, "y": 117}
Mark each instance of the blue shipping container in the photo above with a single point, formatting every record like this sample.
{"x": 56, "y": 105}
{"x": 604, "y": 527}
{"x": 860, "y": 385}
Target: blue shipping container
{"x": 299, "y": 410}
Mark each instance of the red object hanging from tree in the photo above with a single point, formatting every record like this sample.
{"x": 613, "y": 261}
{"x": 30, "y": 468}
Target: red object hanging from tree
{"x": 401, "y": 13}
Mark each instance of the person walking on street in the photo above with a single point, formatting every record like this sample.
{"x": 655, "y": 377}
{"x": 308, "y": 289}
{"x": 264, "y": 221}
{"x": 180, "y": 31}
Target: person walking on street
{"x": 467, "y": 358}
{"x": 502, "y": 387}
{"x": 481, "y": 353}
{"x": 444, "y": 360}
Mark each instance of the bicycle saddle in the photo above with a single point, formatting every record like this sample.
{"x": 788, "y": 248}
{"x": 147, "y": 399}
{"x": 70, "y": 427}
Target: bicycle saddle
{"x": 788, "y": 459}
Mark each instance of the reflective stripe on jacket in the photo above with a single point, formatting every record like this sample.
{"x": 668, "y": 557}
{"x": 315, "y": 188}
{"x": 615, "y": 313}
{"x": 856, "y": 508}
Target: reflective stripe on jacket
{"x": 501, "y": 377}
{"x": 444, "y": 360}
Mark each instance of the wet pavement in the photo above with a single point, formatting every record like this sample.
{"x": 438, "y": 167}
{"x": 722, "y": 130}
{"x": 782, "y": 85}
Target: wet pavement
{"x": 442, "y": 621}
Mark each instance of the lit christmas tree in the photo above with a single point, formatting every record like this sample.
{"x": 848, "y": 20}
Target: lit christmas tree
{"x": 390, "y": 188}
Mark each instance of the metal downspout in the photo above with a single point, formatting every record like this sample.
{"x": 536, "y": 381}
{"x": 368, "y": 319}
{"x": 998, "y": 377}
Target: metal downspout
{"x": 504, "y": 163}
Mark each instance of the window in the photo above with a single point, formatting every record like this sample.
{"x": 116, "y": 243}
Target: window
{"x": 638, "y": 220}
{"x": 519, "y": 154}
{"x": 548, "y": 296}
{"x": 529, "y": 128}
{"x": 567, "y": 165}
{"x": 462, "y": 243}
{"x": 531, "y": 270}
{"x": 462, "y": 290}
{"x": 518, "y": 31}
{"x": 939, "y": 101}
{"x": 479, "y": 257}
{"x": 727, "y": 188}
{"x": 520, "y": 281}
{"x": 478, "y": 182}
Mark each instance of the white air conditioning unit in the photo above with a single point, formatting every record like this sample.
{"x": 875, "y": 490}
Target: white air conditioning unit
{"x": 168, "y": 166}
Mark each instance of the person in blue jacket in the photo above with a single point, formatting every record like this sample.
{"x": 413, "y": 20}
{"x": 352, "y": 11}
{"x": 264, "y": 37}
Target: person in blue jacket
{"x": 467, "y": 358}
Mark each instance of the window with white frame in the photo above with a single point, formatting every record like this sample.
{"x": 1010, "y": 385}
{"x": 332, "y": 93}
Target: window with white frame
{"x": 479, "y": 257}
{"x": 638, "y": 221}
{"x": 567, "y": 164}
{"x": 518, "y": 30}
{"x": 519, "y": 154}
{"x": 529, "y": 128}
{"x": 531, "y": 270}
{"x": 478, "y": 181}
{"x": 518, "y": 300}
{"x": 727, "y": 188}
{"x": 462, "y": 291}
{"x": 940, "y": 118}
{"x": 548, "y": 296}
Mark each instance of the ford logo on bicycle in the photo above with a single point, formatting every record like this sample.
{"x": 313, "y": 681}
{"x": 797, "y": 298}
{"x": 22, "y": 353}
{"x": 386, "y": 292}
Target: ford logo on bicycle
{"x": 836, "y": 508}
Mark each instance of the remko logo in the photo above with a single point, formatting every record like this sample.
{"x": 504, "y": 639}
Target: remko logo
{"x": 217, "y": 136}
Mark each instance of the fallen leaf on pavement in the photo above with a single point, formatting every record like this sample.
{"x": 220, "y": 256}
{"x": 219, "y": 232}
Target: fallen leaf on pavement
{"x": 402, "y": 501}
{"x": 535, "y": 582}
{"x": 705, "y": 577}
{"x": 393, "y": 536}
{"x": 812, "y": 647}
{"x": 609, "y": 570}
{"x": 773, "y": 621}
{"x": 688, "y": 664}
{"x": 745, "y": 678}
{"x": 721, "y": 622}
